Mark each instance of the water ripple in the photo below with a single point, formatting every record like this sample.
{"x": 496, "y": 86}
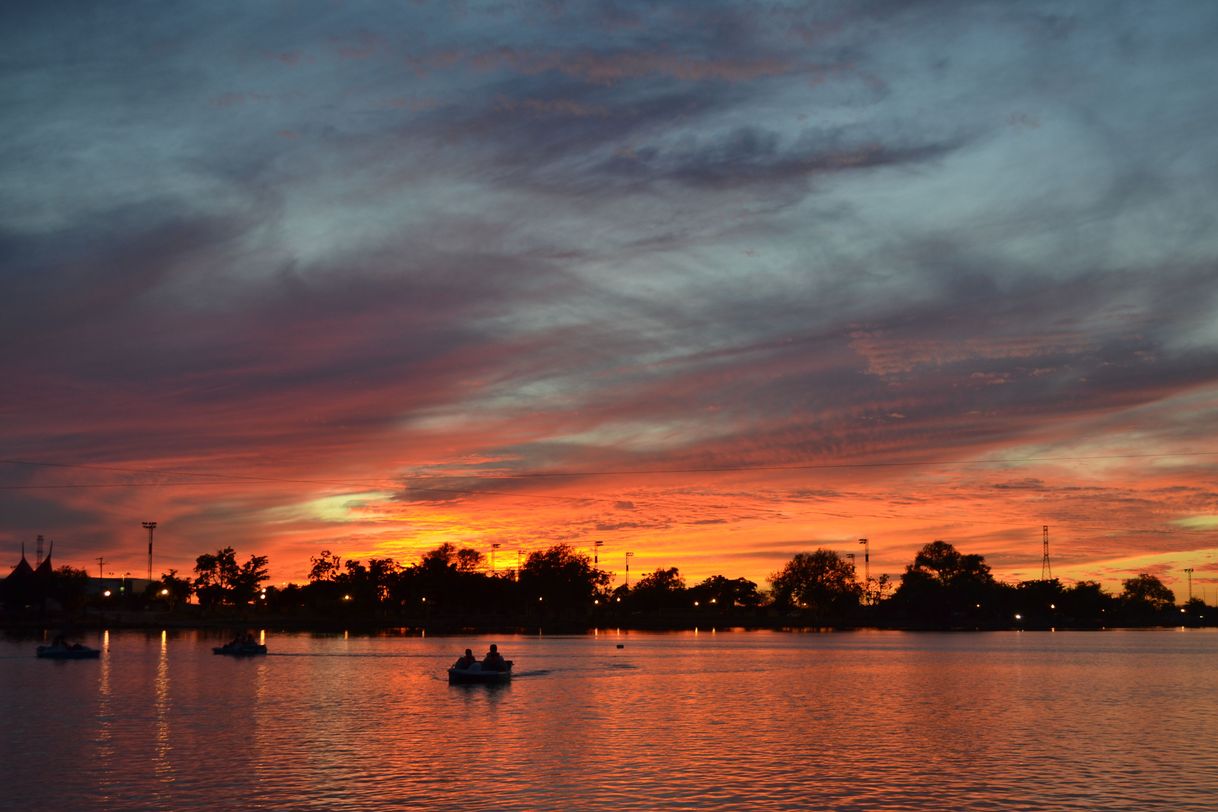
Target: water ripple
{"x": 747, "y": 721}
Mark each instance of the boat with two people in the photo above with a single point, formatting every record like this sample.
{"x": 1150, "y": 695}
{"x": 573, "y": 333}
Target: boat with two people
{"x": 493, "y": 669}
{"x": 61, "y": 649}
{"x": 243, "y": 645}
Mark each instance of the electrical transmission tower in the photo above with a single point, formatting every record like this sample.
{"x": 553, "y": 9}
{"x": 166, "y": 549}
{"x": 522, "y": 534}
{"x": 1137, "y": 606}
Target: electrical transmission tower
{"x": 1046, "y": 569}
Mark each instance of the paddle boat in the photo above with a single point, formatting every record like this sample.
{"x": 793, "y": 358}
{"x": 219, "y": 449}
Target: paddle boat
{"x": 65, "y": 651}
{"x": 240, "y": 649}
{"x": 474, "y": 675}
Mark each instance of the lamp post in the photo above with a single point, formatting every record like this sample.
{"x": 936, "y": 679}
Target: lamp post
{"x": 1189, "y": 570}
{"x": 866, "y": 569}
{"x": 149, "y": 526}
{"x": 596, "y": 548}
{"x": 494, "y": 547}
{"x": 628, "y": 557}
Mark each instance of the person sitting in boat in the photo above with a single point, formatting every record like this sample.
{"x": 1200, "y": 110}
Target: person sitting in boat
{"x": 465, "y": 660}
{"x": 493, "y": 661}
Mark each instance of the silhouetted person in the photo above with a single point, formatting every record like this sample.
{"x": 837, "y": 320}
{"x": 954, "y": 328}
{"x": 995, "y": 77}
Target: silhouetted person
{"x": 465, "y": 660}
{"x": 493, "y": 661}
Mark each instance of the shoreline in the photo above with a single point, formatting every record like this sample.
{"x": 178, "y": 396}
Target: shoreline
{"x": 137, "y": 620}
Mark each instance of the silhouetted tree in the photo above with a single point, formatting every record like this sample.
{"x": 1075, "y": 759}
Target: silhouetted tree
{"x": 443, "y": 557}
{"x": 469, "y": 560}
{"x": 561, "y": 577}
{"x": 821, "y": 582}
{"x": 944, "y": 587}
{"x": 727, "y": 592}
{"x": 179, "y": 589}
{"x": 221, "y": 580}
{"x": 1086, "y": 604}
{"x": 1040, "y": 603}
{"x": 250, "y": 576}
{"x": 1195, "y": 612}
{"x": 662, "y": 589}
{"x": 369, "y": 584}
{"x": 325, "y": 567}
{"x": 878, "y": 590}
{"x": 70, "y": 587}
{"x": 1146, "y": 600}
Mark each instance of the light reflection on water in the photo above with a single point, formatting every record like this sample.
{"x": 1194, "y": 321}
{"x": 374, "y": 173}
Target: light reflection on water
{"x": 724, "y": 720}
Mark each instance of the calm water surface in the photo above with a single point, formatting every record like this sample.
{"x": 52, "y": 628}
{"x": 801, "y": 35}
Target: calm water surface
{"x": 727, "y": 720}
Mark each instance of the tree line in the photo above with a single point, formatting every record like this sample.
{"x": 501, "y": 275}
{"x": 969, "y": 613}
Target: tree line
{"x": 941, "y": 588}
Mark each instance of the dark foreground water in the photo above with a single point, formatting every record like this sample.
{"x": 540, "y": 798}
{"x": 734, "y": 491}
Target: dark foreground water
{"x": 728, "y": 720}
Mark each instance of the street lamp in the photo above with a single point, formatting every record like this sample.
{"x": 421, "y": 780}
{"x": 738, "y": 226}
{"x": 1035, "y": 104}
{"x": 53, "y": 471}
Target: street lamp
{"x": 1189, "y": 570}
{"x": 628, "y": 557}
{"x": 596, "y": 548}
{"x": 494, "y": 547}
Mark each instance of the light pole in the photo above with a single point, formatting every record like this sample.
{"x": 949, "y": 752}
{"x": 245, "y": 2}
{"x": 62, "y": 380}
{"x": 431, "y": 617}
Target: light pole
{"x": 628, "y": 557}
{"x": 1189, "y": 570}
{"x": 494, "y": 547}
{"x": 149, "y": 526}
{"x": 866, "y": 568}
{"x": 596, "y": 549}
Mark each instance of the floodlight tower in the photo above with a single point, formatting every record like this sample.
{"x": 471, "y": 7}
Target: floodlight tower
{"x": 149, "y": 526}
{"x": 1046, "y": 570}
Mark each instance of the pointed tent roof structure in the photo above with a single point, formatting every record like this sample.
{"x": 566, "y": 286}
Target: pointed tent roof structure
{"x": 44, "y": 570}
{"x": 21, "y": 584}
{"x": 23, "y": 569}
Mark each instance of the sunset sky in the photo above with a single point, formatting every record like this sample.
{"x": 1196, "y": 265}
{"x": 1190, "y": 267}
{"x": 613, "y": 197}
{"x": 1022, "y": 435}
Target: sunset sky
{"x": 714, "y": 283}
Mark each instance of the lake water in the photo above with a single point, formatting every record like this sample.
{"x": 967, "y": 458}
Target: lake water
{"x": 1121, "y": 720}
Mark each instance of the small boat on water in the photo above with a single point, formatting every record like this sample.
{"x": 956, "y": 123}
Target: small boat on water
{"x": 64, "y": 651}
{"x": 236, "y": 649}
{"x": 474, "y": 675}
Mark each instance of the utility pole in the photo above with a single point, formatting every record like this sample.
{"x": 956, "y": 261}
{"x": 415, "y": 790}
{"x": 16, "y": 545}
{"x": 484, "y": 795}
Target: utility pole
{"x": 149, "y": 526}
{"x": 1189, "y": 570}
{"x": 628, "y": 557}
{"x": 101, "y": 562}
